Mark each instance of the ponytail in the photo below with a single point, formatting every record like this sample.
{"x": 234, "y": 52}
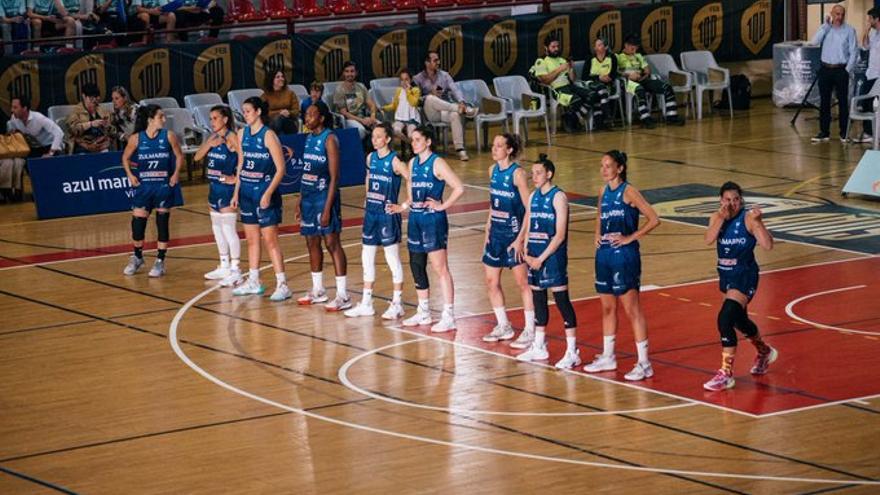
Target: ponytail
{"x": 143, "y": 116}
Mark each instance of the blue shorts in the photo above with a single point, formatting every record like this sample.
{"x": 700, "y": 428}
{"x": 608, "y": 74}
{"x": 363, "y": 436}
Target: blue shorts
{"x": 743, "y": 280}
{"x": 311, "y": 208}
{"x": 554, "y": 272}
{"x": 381, "y": 229}
{"x": 220, "y": 195}
{"x": 427, "y": 232}
{"x": 249, "y": 196}
{"x": 496, "y": 253}
{"x": 150, "y": 195}
{"x": 618, "y": 270}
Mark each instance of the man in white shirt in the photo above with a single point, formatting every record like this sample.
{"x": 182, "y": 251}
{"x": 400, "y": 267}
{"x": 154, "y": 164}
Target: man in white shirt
{"x": 871, "y": 43}
{"x": 44, "y": 136}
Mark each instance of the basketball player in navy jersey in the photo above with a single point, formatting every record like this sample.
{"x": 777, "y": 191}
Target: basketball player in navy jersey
{"x": 382, "y": 224}
{"x": 505, "y": 236}
{"x": 221, "y": 152}
{"x": 260, "y": 170}
{"x": 428, "y": 227}
{"x": 619, "y": 264}
{"x": 152, "y": 161}
{"x": 736, "y": 231}
{"x": 546, "y": 224}
{"x": 320, "y": 208}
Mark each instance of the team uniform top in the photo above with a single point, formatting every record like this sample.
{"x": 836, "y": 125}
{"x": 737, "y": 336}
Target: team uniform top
{"x": 617, "y": 217}
{"x": 736, "y": 246}
{"x": 316, "y": 170}
{"x": 506, "y": 208}
{"x": 221, "y": 161}
{"x": 154, "y": 163}
{"x": 425, "y": 185}
{"x": 554, "y": 272}
{"x": 383, "y": 183}
{"x": 258, "y": 165}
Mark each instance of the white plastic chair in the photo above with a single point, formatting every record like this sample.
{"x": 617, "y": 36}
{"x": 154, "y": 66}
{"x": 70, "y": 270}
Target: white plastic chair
{"x": 162, "y": 101}
{"x": 237, "y": 97}
{"x": 681, "y": 81}
{"x": 190, "y": 102}
{"x": 856, "y": 113}
{"x": 180, "y": 120}
{"x": 578, "y": 67}
{"x": 202, "y": 116}
{"x": 385, "y": 82}
{"x": 327, "y": 97}
{"x": 512, "y": 89}
{"x": 300, "y": 91}
{"x": 476, "y": 91}
{"x": 107, "y": 106}
{"x": 707, "y": 76}
{"x": 383, "y": 96}
{"x": 59, "y": 113}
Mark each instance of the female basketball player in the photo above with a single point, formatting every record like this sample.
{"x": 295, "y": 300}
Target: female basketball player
{"x": 505, "y": 235}
{"x": 319, "y": 208}
{"x": 260, "y": 170}
{"x": 152, "y": 160}
{"x": 619, "y": 264}
{"x": 221, "y": 150}
{"x": 382, "y": 222}
{"x": 736, "y": 231}
{"x": 428, "y": 228}
{"x": 547, "y": 257}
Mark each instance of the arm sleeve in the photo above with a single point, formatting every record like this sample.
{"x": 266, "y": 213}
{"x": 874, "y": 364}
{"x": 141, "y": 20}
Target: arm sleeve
{"x": 853, "y": 50}
{"x": 820, "y": 34}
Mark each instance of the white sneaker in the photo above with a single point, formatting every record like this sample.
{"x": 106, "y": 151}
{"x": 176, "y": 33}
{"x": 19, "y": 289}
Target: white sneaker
{"x": 471, "y": 111}
{"x": 233, "y": 278}
{"x": 569, "y": 360}
{"x": 602, "y": 363}
{"x": 313, "y": 297}
{"x": 462, "y": 155}
{"x": 394, "y": 311}
{"x": 420, "y": 318}
{"x": 134, "y": 265}
{"x": 338, "y": 303}
{"x": 250, "y": 287}
{"x": 158, "y": 269}
{"x": 281, "y": 293}
{"x": 500, "y": 332}
{"x": 534, "y": 353}
{"x": 446, "y": 324}
{"x": 218, "y": 273}
{"x": 524, "y": 341}
{"x": 361, "y": 310}
{"x": 639, "y": 372}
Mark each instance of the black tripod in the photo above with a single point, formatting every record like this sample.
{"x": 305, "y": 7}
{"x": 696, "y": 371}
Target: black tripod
{"x": 805, "y": 102}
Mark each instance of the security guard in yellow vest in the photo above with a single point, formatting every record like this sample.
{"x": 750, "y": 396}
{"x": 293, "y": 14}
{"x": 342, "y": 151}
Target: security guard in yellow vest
{"x": 639, "y": 81}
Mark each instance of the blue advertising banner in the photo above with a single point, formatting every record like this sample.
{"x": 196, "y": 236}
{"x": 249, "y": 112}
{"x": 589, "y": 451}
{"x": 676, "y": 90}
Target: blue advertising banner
{"x": 352, "y": 163}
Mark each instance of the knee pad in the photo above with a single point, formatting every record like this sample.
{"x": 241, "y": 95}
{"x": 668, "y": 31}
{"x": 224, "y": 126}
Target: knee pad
{"x": 418, "y": 263}
{"x": 368, "y": 259}
{"x": 162, "y": 222}
{"x": 392, "y": 257}
{"x": 138, "y": 228}
{"x": 542, "y": 312}
{"x": 727, "y": 320}
{"x": 563, "y": 304}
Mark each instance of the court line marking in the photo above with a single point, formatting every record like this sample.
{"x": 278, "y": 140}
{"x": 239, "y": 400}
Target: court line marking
{"x": 789, "y": 310}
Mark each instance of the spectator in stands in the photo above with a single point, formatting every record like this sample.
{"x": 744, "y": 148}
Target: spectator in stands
{"x": 558, "y": 74}
{"x": 354, "y": 103}
{"x": 49, "y": 18}
{"x": 89, "y": 124}
{"x": 405, "y": 106}
{"x": 283, "y": 103}
{"x": 199, "y": 12}
{"x": 871, "y": 43}
{"x": 603, "y": 68}
{"x": 44, "y": 136}
{"x": 150, "y": 13}
{"x": 443, "y": 101}
{"x": 839, "y": 56}
{"x": 110, "y": 17}
{"x": 123, "y": 117}
{"x": 316, "y": 95}
{"x": 13, "y": 22}
{"x": 639, "y": 82}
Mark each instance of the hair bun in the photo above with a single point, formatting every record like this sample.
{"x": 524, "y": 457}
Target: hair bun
{"x": 542, "y": 157}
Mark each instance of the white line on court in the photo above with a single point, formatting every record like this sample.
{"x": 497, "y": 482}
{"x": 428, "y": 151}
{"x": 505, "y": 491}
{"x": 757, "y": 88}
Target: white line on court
{"x": 789, "y": 310}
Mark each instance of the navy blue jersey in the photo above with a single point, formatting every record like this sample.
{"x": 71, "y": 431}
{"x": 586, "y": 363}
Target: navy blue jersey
{"x": 736, "y": 245}
{"x": 425, "y": 184}
{"x": 316, "y": 170}
{"x": 383, "y": 184}
{"x": 221, "y": 161}
{"x": 617, "y": 217}
{"x": 258, "y": 165}
{"x": 543, "y": 223}
{"x": 153, "y": 160}
{"x": 506, "y": 208}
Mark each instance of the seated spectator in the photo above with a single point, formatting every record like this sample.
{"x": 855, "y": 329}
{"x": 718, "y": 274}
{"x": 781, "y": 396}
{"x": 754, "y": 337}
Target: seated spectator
{"x": 405, "y": 106}
{"x": 577, "y": 100}
{"x": 44, "y": 136}
{"x": 49, "y": 18}
{"x": 354, "y": 103}
{"x": 149, "y": 13}
{"x": 603, "y": 69}
{"x": 637, "y": 73}
{"x": 283, "y": 103}
{"x": 13, "y": 24}
{"x": 89, "y": 124}
{"x": 123, "y": 117}
{"x": 111, "y": 17}
{"x": 443, "y": 101}
{"x": 198, "y": 13}
{"x": 316, "y": 97}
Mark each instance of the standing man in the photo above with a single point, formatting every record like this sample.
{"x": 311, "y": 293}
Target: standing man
{"x": 838, "y": 42}
{"x": 444, "y": 102}
{"x": 870, "y": 42}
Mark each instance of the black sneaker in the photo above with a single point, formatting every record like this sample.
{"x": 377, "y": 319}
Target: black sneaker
{"x": 649, "y": 123}
{"x": 821, "y": 137}
{"x": 675, "y": 120}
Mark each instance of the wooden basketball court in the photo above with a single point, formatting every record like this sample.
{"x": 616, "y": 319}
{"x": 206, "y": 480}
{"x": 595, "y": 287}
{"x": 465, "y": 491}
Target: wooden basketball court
{"x": 114, "y": 384}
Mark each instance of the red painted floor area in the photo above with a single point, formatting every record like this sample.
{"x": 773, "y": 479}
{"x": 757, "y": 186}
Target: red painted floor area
{"x": 816, "y": 366}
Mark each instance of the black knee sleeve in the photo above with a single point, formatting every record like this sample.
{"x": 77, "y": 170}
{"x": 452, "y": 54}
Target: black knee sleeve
{"x": 162, "y": 221}
{"x": 744, "y": 324}
{"x": 727, "y": 320}
{"x": 418, "y": 263}
{"x": 542, "y": 312}
{"x": 563, "y": 304}
{"x": 138, "y": 228}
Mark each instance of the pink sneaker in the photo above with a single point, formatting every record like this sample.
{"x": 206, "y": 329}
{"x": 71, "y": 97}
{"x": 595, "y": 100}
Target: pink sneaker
{"x": 762, "y": 361}
{"x": 721, "y": 381}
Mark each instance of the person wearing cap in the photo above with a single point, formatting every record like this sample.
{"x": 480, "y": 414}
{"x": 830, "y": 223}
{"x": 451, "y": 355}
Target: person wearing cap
{"x": 839, "y": 56}
{"x": 634, "y": 69}
{"x": 89, "y": 124}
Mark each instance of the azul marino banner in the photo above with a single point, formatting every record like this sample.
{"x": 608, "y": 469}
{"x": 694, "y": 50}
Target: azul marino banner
{"x": 352, "y": 163}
